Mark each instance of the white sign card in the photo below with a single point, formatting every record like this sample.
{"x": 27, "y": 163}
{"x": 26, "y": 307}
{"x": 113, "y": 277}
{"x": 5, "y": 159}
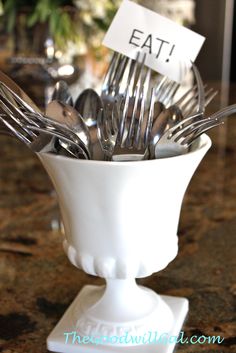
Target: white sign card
{"x": 170, "y": 47}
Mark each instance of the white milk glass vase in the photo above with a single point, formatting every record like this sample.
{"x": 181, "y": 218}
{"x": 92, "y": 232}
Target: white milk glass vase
{"x": 120, "y": 221}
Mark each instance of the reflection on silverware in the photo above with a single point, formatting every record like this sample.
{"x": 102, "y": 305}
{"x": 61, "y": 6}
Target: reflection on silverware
{"x": 61, "y": 93}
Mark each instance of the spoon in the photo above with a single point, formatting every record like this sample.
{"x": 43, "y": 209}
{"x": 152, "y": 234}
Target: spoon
{"x": 88, "y": 104}
{"x": 67, "y": 115}
{"x": 61, "y": 93}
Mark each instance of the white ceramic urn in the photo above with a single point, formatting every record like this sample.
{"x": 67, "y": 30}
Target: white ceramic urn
{"x": 121, "y": 221}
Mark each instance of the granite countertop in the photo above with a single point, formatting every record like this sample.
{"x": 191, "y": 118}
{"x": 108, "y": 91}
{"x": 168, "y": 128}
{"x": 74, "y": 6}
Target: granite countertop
{"x": 37, "y": 282}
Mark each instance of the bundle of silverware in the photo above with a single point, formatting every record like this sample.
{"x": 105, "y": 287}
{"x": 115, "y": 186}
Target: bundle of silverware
{"x": 134, "y": 118}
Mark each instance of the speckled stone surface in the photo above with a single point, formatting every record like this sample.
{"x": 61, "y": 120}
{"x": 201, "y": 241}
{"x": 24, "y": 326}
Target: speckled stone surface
{"x": 37, "y": 282}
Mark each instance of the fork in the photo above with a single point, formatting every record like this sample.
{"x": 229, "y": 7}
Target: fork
{"x": 44, "y": 142}
{"x": 190, "y": 106}
{"x": 132, "y": 145}
{"x": 133, "y": 133}
{"x": 166, "y": 90}
{"x": 111, "y": 86}
{"x": 119, "y": 75}
{"x": 172, "y": 115}
{"x": 51, "y": 127}
{"x": 180, "y": 137}
{"x": 164, "y": 94}
{"x": 64, "y": 146}
{"x": 22, "y": 113}
{"x": 107, "y": 128}
{"x": 108, "y": 117}
{"x": 25, "y": 128}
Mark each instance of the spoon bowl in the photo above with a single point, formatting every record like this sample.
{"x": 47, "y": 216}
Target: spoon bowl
{"x": 88, "y": 105}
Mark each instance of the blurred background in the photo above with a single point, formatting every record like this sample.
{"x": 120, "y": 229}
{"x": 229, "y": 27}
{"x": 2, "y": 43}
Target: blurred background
{"x": 42, "y": 41}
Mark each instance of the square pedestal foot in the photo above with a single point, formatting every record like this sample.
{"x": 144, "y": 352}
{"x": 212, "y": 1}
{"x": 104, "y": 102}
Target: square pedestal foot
{"x": 56, "y": 341}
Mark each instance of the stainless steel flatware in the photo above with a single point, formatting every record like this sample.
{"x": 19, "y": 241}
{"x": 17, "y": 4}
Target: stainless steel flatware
{"x": 13, "y": 87}
{"x": 107, "y": 129}
{"x": 133, "y": 132}
{"x": 61, "y": 93}
{"x": 195, "y": 98}
{"x": 132, "y": 120}
{"x": 112, "y": 82}
{"x": 26, "y": 127}
{"x": 88, "y": 104}
{"x": 180, "y": 137}
{"x": 67, "y": 115}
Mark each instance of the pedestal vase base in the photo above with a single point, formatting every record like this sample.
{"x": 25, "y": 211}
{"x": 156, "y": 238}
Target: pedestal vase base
{"x": 67, "y": 338}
